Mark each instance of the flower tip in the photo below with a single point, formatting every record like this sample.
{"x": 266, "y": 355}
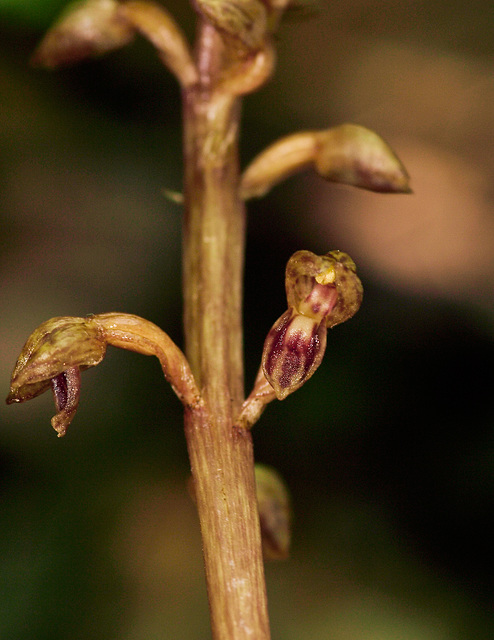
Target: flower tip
{"x": 60, "y": 424}
{"x": 12, "y": 397}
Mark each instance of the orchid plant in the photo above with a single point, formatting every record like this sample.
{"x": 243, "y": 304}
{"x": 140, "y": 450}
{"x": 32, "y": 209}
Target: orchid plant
{"x": 243, "y": 510}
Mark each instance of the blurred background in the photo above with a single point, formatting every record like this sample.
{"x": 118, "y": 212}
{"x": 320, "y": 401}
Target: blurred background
{"x": 388, "y": 450}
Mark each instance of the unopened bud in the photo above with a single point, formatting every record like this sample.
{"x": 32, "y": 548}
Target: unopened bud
{"x": 87, "y": 28}
{"x": 274, "y": 512}
{"x": 347, "y": 154}
{"x": 243, "y": 20}
{"x": 357, "y": 156}
{"x": 322, "y": 291}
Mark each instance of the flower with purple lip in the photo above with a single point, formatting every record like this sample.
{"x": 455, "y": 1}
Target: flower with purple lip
{"x": 53, "y": 357}
{"x": 322, "y": 291}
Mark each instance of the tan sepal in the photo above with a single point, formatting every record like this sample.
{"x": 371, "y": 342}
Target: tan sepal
{"x": 311, "y": 281}
{"x": 54, "y": 346}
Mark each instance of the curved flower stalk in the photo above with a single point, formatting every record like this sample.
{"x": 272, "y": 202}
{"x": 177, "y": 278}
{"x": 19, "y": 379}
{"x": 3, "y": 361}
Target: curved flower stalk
{"x": 249, "y": 72}
{"x": 160, "y": 28}
{"x": 59, "y": 349}
{"x": 349, "y": 154}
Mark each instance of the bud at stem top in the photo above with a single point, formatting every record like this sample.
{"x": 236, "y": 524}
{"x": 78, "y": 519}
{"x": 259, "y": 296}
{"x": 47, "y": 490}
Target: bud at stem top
{"x": 87, "y": 28}
{"x": 245, "y": 21}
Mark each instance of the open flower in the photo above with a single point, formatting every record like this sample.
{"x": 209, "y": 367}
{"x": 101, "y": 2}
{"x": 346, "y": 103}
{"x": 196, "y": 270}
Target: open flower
{"x": 322, "y": 291}
{"x": 53, "y": 357}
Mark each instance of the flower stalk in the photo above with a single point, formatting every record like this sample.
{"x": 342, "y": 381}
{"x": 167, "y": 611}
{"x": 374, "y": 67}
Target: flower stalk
{"x": 233, "y": 56}
{"x": 221, "y": 456}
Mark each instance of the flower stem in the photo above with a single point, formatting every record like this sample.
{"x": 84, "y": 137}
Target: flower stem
{"x": 221, "y": 455}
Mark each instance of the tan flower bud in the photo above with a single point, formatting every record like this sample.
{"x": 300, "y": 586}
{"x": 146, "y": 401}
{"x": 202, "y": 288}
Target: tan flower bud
{"x": 274, "y": 512}
{"x": 348, "y": 286}
{"x": 322, "y": 291}
{"x": 348, "y": 154}
{"x": 87, "y": 28}
{"x": 243, "y": 20}
{"x": 53, "y": 356}
{"x": 357, "y": 156}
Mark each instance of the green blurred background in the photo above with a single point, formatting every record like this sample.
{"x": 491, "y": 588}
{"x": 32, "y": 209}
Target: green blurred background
{"x": 388, "y": 451}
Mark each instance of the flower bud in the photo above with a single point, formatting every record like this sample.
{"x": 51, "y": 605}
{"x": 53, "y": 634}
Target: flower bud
{"x": 87, "y": 28}
{"x": 53, "y": 356}
{"x": 322, "y": 291}
{"x": 357, "y": 156}
{"x": 348, "y": 154}
{"x": 274, "y": 512}
{"x": 243, "y": 20}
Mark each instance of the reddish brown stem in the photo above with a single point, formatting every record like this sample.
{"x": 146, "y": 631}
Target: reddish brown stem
{"x": 221, "y": 456}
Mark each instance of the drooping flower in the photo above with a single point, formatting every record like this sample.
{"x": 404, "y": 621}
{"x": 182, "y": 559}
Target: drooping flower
{"x": 53, "y": 357}
{"x": 59, "y": 349}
